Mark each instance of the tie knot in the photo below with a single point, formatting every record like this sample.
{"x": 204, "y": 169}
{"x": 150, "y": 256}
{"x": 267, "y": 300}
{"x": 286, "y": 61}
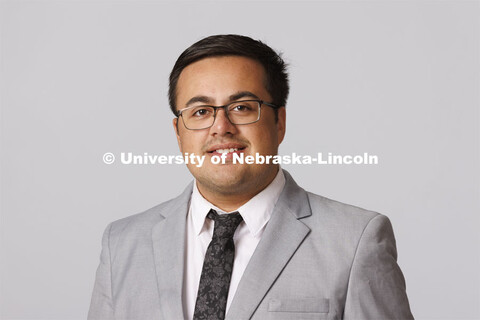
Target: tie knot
{"x": 225, "y": 224}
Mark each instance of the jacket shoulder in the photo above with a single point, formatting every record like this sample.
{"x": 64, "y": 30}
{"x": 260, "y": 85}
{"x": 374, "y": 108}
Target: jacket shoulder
{"x": 341, "y": 227}
{"x": 147, "y": 218}
{"x": 339, "y": 213}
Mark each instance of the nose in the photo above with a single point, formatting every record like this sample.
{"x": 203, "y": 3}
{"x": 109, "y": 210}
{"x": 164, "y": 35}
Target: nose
{"x": 222, "y": 124}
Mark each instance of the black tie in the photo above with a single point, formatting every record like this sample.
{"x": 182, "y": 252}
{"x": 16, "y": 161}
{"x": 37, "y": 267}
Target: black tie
{"x": 217, "y": 268}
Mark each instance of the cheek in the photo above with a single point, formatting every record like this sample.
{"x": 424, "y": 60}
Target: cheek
{"x": 264, "y": 139}
{"x": 191, "y": 142}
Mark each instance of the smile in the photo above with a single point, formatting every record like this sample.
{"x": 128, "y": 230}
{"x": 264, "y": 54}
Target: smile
{"x": 226, "y": 151}
{"x": 226, "y": 148}
{"x": 221, "y": 151}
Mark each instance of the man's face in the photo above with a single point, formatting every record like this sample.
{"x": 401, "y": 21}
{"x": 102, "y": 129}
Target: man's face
{"x": 218, "y": 81}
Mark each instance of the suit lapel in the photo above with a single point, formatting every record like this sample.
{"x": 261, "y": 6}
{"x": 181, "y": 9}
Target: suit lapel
{"x": 168, "y": 238}
{"x": 283, "y": 235}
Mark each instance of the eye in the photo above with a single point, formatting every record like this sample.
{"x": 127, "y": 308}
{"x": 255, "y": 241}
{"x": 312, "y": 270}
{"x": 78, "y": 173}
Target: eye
{"x": 200, "y": 112}
{"x": 241, "y": 107}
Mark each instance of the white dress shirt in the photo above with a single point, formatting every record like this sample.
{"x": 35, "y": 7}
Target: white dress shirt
{"x": 256, "y": 213}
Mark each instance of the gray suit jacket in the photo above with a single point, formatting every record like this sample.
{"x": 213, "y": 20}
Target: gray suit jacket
{"x": 317, "y": 259}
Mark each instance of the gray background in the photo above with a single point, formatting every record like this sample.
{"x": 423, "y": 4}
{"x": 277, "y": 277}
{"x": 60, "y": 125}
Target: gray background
{"x": 396, "y": 79}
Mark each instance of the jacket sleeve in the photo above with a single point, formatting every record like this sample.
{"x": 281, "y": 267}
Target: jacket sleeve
{"x": 101, "y": 306}
{"x": 376, "y": 287}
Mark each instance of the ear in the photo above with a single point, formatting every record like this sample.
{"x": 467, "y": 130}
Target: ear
{"x": 177, "y": 133}
{"x": 281, "y": 124}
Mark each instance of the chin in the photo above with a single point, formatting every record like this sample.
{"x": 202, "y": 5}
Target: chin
{"x": 228, "y": 178}
{"x": 225, "y": 180}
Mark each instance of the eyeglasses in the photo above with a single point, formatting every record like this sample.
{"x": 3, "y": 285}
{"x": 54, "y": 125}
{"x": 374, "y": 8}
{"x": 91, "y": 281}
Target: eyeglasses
{"x": 238, "y": 112}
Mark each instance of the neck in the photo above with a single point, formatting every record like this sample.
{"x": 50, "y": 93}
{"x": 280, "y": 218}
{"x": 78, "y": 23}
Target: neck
{"x": 232, "y": 201}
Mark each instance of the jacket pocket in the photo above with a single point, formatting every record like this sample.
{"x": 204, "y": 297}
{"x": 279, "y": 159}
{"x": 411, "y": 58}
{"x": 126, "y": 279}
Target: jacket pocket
{"x": 305, "y": 305}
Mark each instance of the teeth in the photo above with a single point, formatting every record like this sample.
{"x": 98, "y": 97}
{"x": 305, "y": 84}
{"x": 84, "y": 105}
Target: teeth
{"x": 226, "y": 150}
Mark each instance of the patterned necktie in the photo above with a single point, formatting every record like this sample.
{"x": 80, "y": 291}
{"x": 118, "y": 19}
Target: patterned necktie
{"x": 217, "y": 268}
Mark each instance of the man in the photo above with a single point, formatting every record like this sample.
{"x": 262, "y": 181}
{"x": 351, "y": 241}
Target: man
{"x": 244, "y": 241}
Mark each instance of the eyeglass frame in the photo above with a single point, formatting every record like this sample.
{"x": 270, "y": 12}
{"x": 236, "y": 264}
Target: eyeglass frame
{"x": 224, "y": 107}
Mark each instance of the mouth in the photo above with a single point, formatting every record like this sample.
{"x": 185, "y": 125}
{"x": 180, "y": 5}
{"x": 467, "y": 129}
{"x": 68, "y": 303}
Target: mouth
{"x": 226, "y": 150}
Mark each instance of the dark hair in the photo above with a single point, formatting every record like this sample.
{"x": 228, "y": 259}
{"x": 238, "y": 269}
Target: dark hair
{"x": 276, "y": 81}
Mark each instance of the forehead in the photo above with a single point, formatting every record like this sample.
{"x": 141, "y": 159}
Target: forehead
{"x": 219, "y": 77}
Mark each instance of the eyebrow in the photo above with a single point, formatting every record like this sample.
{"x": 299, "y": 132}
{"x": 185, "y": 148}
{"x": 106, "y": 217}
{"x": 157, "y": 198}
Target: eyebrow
{"x": 203, "y": 99}
{"x": 233, "y": 97}
{"x": 242, "y": 94}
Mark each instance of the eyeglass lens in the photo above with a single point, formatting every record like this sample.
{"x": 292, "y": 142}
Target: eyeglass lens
{"x": 239, "y": 112}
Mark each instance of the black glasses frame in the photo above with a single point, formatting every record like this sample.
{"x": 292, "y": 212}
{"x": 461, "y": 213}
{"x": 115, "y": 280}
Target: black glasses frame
{"x": 224, "y": 107}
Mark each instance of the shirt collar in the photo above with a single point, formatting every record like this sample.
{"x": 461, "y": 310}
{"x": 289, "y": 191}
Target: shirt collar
{"x": 256, "y": 212}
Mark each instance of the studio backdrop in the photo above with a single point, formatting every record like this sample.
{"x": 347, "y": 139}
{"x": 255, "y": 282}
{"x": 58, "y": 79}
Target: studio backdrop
{"x": 81, "y": 79}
